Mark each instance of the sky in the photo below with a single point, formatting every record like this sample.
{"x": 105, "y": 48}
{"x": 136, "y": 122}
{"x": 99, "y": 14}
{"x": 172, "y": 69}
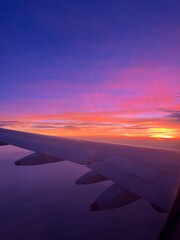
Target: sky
{"x": 91, "y": 68}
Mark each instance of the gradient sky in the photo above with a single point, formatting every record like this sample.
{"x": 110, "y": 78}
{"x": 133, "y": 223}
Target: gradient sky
{"x": 91, "y": 67}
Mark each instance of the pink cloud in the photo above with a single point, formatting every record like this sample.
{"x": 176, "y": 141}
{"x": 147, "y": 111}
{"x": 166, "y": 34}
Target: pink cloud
{"x": 132, "y": 96}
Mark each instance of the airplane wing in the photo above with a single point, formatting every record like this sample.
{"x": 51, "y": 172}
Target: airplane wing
{"x": 137, "y": 172}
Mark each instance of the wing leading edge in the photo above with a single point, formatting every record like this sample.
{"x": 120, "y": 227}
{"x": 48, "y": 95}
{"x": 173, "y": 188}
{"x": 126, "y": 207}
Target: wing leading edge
{"x": 137, "y": 172}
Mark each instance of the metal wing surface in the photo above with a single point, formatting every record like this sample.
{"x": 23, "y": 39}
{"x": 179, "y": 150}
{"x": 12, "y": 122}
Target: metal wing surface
{"x": 137, "y": 172}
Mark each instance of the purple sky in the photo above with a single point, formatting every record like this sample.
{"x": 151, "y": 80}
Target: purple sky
{"x": 91, "y": 63}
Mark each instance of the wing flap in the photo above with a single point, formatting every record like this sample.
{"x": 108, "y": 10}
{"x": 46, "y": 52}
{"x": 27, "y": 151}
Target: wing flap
{"x": 149, "y": 191}
{"x": 138, "y": 169}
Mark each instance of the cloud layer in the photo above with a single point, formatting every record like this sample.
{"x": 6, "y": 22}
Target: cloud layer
{"x": 130, "y": 102}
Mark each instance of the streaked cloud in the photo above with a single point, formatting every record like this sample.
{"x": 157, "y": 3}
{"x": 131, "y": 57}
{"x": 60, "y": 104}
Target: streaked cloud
{"x": 91, "y": 69}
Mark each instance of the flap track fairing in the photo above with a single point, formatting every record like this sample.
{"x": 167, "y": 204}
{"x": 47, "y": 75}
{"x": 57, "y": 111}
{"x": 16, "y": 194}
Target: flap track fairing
{"x": 91, "y": 177}
{"x": 114, "y": 197}
{"x": 36, "y": 159}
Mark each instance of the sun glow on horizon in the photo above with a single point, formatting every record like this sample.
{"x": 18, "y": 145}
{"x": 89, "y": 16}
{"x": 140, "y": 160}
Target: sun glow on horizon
{"x": 95, "y": 129}
{"x": 163, "y": 133}
{"x": 160, "y": 136}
